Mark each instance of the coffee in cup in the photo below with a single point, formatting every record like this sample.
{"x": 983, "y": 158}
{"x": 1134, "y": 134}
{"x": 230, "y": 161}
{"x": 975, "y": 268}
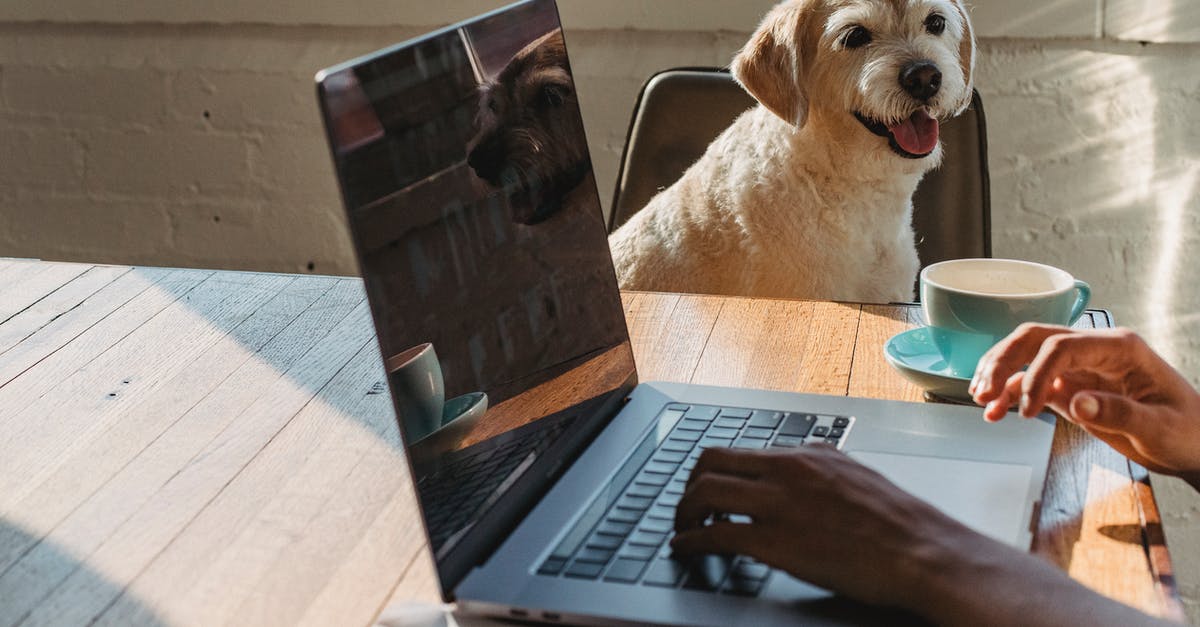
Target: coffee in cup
{"x": 416, "y": 377}
{"x": 970, "y": 304}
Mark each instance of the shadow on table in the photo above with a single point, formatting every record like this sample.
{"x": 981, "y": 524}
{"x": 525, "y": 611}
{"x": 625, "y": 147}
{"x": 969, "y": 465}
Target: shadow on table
{"x": 25, "y": 584}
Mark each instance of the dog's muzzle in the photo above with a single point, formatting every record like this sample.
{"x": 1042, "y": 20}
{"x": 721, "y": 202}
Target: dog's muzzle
{"x": 915, "y": 137}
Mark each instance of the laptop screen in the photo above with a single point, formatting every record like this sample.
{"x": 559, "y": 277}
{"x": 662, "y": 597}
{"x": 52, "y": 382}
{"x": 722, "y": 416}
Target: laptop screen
{"x": 468, "y": 185}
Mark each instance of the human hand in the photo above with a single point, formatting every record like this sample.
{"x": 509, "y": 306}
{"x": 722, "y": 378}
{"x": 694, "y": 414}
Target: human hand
{"x": 1109, "y": 382}
{"x": 822, "y": 517}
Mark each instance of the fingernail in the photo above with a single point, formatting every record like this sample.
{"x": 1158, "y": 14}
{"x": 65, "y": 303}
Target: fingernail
{"x": 1086, "y": 406}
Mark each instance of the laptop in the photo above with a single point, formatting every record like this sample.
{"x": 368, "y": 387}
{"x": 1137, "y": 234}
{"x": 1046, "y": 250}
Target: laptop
{"x": 546, "y": 474}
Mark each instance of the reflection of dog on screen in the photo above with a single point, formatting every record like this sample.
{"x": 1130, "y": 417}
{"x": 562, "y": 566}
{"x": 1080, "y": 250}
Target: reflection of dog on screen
{"x": 530, "y": 141}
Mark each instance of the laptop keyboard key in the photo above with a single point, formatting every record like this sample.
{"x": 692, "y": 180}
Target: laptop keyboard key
{"x": 552, "y": 566}
{"x": 596, "y": 556}
{"x": 657, "y": 525}
{"x": 604, "y": 543}
{"x": 841, "y": 422}
{"x": 729, "y": 423}
{"x": 669, "y": 500}
{"x": 625, "y": 570}
{"x": 687, "y": 436}
{"x": 662, "y": 468}
{"x": 735, "y": 413}
{"x": 702, "y": 412}
{"x": 613, "y": 528}
{"x": 645, "y": 538}
{"x": 837, "y": 432}
{"x": 638, "y": 552}
{"x": 661, "y": 512}
{"x": 635, "y": 503}
{"x": 820, "y": 432}
{"x": 681, "y": 446}
{"x": 711, "y": 442}
{"x": 645, "y": 491}
{"x": 723, "y": 433}
{"x": 625, "y": 516}
{"x": 691, "y": 424}
{"x": 787, "y": 441}
{"x": 665, "y": 573}
{"x": 649, "y": 478}
{"x": 758, "y": 432}
{"x": 669, "y": 457}
{"x": 798, "y": 425}
{"x": 750, "y": 443}
{"x": 765, "y": 419}
{"x": 585, "y": 570}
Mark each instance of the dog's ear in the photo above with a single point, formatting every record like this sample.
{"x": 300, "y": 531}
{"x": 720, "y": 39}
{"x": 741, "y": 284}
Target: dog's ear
{"x": 966, "y": 56}
{"x": 770, "y": 65}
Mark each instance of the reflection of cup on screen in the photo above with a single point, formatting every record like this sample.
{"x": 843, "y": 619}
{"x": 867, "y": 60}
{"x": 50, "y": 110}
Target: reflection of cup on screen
{"x": 416, "y": 377}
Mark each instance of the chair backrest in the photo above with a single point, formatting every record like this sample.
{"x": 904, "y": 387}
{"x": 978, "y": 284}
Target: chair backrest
{"x": 679, "y": 112}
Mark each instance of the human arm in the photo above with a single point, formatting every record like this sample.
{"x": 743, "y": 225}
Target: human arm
{"x": 1109, "y": 382}
{"x": 826, "y": 519}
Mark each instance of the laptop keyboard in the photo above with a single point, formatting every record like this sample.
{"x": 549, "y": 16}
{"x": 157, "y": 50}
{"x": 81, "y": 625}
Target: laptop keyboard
{"x": 624, "y": 536}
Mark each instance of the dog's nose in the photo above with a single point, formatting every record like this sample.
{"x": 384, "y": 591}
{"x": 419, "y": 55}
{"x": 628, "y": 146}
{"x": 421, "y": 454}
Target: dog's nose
{"x": 921, "y": 79}
{"x": 486, "y": 160}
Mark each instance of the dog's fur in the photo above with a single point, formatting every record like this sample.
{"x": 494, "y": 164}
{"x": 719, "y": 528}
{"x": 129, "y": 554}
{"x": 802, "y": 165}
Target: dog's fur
{"x": 530, "y": 140}
{"x": 798, "y": 198}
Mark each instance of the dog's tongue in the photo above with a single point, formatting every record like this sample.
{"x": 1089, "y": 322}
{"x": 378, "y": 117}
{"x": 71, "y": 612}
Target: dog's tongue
{"x": 918, "y": 134}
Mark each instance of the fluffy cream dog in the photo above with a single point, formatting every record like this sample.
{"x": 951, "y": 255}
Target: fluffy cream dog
{"x": 809, "y": 194}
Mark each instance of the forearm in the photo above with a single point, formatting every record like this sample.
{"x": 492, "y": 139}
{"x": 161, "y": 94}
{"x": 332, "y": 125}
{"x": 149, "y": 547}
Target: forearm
{"x": 982, "y": 582}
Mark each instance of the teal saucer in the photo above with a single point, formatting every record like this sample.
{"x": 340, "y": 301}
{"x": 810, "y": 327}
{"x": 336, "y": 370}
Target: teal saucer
{"x": 468, "y": 408}
{"x": 459, "y": 416}
{"x": 916, "y": 356}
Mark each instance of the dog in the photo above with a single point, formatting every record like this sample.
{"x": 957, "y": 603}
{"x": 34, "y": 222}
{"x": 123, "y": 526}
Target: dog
{"x": 530, "y": 140}
{"x": 809, "y": 194}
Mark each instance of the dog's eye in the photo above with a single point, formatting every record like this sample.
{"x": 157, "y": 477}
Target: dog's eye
{"x": 935, "y": 24}
{"x": 554, "y": 95}
{"x": 857, "y": 37}
{"x": 492, "y": 105}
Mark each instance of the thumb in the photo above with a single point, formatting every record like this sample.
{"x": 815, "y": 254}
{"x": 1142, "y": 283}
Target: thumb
{"x": 1109, "y": 412}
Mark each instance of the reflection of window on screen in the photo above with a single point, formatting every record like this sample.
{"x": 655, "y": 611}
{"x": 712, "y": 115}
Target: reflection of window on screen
{"x": 494, "y": 42}
{"x": 506, "y": 303}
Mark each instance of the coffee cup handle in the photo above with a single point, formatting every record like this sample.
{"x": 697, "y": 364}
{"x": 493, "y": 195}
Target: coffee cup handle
{"x": 1083, "y": 295}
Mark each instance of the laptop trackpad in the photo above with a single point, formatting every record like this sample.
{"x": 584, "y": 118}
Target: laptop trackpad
{"x": 987, "y": 497}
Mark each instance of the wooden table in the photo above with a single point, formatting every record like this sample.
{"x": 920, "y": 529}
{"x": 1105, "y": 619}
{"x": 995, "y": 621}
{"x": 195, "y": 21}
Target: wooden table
{"x": 198, "y": 447}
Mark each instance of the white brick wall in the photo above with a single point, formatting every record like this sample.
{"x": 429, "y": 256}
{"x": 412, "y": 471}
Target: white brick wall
{"x": 187, "y": 134}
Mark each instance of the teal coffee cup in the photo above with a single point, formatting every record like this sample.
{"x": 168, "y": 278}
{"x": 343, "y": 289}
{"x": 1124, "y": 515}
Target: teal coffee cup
{"x": 420, "y": 394}
{"x": 970, "y": 304}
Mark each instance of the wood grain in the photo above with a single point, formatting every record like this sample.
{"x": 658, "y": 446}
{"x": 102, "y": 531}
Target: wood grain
{"x": 20, "y": 326}
{"x": 755, "y": 343}
{"x": 190, "y": 447}
{"x": 32, "y": 281}
{"x": 870, "y": 375}
{"x": 669, "y": 333}
{"x": 172, "y": 546}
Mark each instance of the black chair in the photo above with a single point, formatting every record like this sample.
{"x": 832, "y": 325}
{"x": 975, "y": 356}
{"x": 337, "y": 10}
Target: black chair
{"x": 679, "y": 112}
